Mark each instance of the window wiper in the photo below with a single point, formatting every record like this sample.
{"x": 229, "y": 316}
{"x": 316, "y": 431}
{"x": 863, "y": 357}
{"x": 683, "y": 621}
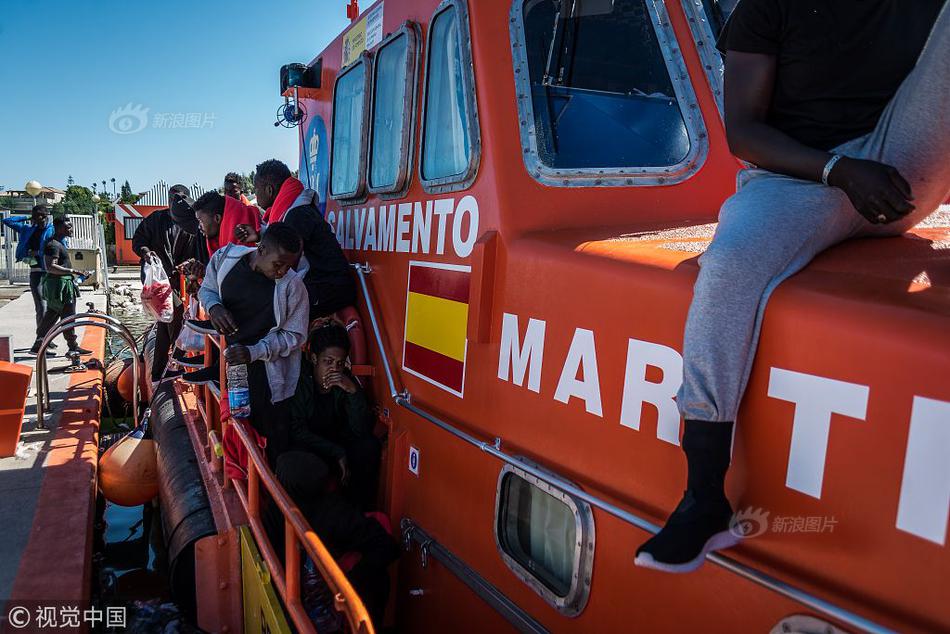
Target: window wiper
{"x": 561, "y": 52}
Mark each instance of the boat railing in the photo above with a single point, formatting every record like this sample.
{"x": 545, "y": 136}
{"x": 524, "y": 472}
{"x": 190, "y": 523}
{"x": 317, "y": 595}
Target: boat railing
{"x": 297, "y": 531}
{"x": 78, "y": 320}
{"x": 404, "y": 399}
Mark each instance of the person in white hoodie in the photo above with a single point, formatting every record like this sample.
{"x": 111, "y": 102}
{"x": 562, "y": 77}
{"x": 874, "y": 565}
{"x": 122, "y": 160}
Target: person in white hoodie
{"x": 259, "y": 303}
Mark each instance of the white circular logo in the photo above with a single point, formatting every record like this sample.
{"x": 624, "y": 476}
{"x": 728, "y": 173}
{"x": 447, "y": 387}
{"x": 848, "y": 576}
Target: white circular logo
{"x": 748, "y": 523}
{"x": 19, "y": 617}
{"x": 128, "y": 119}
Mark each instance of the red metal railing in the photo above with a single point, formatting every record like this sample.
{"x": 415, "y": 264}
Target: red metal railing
{"x": 297, "y": 531}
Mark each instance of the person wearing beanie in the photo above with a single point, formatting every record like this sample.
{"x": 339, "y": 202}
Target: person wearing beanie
{"x": 166, "y": 235}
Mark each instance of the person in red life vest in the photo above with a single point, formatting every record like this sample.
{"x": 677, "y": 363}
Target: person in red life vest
{"x": 234, "y": 187}
{"x": 218, "y": 217}
{"x": 840, "y": 107}
{"x": 326, "y": 270}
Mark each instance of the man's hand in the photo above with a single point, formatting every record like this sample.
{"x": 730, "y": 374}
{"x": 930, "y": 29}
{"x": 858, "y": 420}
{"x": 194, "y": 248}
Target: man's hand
{"x": 344, "y": 470}
{"x": 246, "y": 233}
{"x": 876, "y": 190}
{"x": 342, "y": 381}
{"x": 223, "y": 320}
{"x": 237, "y": 353}
{"x": 192, "y": 268}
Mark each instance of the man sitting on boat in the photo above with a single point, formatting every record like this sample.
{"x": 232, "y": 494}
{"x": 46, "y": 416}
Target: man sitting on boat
{"x": 361, "y": 543}
{"x": 841, "y": 106}
{"x": 331, "y": 417}
{"x": 259, "y": 303}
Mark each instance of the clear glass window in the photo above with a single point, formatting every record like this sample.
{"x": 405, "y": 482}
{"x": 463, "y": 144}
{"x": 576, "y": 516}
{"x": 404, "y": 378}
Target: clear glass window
{"x": 538, "y": 531}
{"x": 717, "y": 12}
{"x": 446, "y": 146}
{"x": 388, "y": 153}
{"x": 348, "y": 107}
{"x": 601, "y": 93}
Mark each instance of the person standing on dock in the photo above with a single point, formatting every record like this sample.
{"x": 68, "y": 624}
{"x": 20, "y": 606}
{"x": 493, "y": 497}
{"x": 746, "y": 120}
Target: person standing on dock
{"x": 32, "y": 234}
{"x": 161, "y": 234}
{"x": 59, "y": 288}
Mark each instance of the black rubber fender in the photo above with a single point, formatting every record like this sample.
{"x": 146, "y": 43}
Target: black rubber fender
{"x": 186, "y": 510}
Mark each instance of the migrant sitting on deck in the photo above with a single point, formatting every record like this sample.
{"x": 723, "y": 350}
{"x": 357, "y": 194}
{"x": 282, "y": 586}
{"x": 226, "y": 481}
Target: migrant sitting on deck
{"x": 330, "y": 415}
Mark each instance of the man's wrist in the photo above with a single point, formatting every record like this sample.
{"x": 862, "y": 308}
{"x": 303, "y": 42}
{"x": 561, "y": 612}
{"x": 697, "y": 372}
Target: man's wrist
{"x": 829, "y": 167}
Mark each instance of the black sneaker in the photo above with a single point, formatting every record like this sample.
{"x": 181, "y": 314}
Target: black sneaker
{"x": 204, "y": 376}
{"x": 52, "y": 346}
{"x": 35, "y": 350}
{"x": 203, "y": 326}
{"x": 79, "y": 350}
{"x": 696, "y": 528}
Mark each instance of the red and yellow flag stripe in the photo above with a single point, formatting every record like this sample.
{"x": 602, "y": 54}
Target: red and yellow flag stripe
{"x": 436, "y": 323}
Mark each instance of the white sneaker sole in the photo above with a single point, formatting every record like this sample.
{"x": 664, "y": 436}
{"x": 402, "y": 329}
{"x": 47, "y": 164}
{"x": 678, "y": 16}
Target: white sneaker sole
{"x": 719, "y": 541}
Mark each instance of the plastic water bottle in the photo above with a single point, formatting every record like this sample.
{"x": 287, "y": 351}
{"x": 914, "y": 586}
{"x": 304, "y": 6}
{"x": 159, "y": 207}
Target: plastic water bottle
{"x": 239, "y": 394}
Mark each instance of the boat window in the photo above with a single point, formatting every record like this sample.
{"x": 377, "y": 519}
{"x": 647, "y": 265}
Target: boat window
{"x": 597, "y": 92}
{"x": 716, "y": 12}
{"x": 706, "y": 20}
{"x": 546, "y": 538}
{"x": 349, "y": 102}
{"x": 449, "y": 143}
{"x": 393, "y": 99}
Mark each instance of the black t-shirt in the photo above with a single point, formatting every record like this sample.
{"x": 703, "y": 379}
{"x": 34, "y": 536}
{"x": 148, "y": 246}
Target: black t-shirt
{"x": 839, "y": 62}
{"x": 33, "y": 244}
{"x": 329, "y": 282}
{"x": 58, "y": 252}
{"x": 249, "y": 296}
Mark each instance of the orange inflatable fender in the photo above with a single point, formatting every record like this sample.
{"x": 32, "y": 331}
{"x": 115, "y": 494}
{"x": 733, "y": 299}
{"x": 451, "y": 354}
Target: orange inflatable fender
{"x": 128, "y": 470}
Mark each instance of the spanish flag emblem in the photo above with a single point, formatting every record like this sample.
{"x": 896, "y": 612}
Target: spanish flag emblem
{"x": 436, "y": 323}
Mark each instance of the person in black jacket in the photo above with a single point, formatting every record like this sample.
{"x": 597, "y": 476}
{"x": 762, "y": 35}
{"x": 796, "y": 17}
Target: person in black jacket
{"x": 340, "y": 526}
{"x": 328, "y": 279}
{"x": 330, "y": 416}
{"x": 169, "y": 240}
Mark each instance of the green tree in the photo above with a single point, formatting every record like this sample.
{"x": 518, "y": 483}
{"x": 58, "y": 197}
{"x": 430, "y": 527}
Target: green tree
{"x": 126, "y": 196}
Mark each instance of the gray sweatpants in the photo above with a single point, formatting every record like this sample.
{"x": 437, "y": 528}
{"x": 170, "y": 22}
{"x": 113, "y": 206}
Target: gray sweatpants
{"x": 774, "y": 225}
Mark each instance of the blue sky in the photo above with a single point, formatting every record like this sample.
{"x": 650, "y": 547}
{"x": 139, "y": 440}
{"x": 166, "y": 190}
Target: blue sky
{"x": 67, "y": 65}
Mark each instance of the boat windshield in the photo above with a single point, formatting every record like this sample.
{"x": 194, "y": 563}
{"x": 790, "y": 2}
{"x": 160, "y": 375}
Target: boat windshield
{"x": 717, "y": 12}
{"x": 601, "y": 92}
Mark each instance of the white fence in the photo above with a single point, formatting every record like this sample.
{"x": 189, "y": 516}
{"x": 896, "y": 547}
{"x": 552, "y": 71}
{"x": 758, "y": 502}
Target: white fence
{"x": 86, "y": 235}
